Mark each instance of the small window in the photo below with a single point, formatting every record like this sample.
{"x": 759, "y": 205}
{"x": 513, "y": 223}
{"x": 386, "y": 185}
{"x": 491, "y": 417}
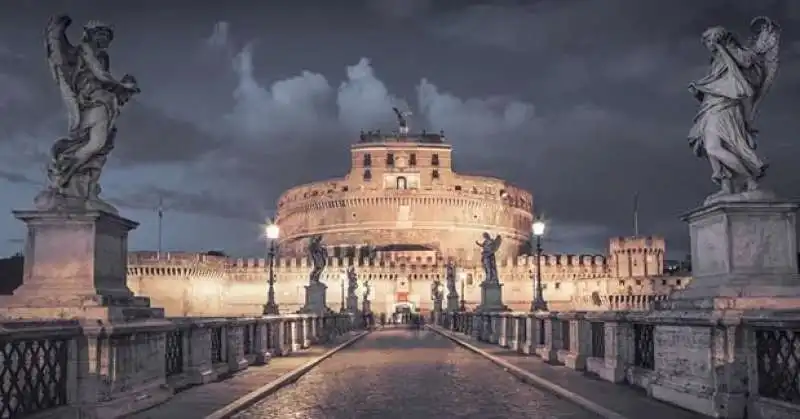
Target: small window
{"x": 677, "y": 282}
{"x": 402, "y": 183}
{"x": 345, "y": 188}
{"x": 390, "y": 159}
{"x": 412, "y": 159}
{"x": 663, "y": 282}
{"x": 435, "y": 174}
{"x": 367, "y": 175}
{"x": 469, "y": 279}
{"x": 434, "y": 160}
{"x": 458, "y": 187}
{"x": 367, "y": 160}
{"x": 558, "y": 285}
{"x": 638, "y": 282}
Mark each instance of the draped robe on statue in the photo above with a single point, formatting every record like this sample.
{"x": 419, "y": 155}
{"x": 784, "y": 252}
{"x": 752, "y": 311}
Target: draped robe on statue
{"x": 728, "y": 91}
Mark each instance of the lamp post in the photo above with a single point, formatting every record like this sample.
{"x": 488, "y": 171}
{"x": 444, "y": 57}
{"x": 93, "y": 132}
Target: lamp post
{"x": 538, "y": 303}
{"x": 463, "y": 307}
{"x": 272, "y": 231}
{"x": 342, "y": 309}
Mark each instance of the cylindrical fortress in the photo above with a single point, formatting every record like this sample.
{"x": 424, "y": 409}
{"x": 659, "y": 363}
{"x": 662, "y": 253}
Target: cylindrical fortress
{"x": 401, "y": 195}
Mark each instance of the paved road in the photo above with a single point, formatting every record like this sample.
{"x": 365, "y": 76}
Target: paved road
{"x": 397, "y": 373}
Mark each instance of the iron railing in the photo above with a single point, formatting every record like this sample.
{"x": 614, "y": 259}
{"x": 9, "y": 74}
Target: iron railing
{"x": 565, "y": 338}
{"x": 247, "y": 339}
{"x": 598, "y": 339}
{"x": 542, "y": 332}
{"x": 173, "y": 354}
{"x": 33, "y": 376}
{"x": 644, "y": 346}
{"x": 216, "y": 344}
{"x": 522, "y": 330}
{"x": 778, "y": 358}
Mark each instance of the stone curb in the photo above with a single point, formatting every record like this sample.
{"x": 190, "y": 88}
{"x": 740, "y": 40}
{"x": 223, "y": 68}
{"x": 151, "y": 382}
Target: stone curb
{"x": 256, "y": 395}
{"x": 532, "y": 379}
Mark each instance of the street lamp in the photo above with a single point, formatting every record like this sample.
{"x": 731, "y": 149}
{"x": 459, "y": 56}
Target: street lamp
{"x": 272, "y": 231}
{"x": 342, "y": 276}
{"x": 463, "y": 297}
{"x": 538, "y": 303}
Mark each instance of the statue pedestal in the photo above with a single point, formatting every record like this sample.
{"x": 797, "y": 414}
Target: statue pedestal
{"x": 437, "y": 306}
{"x": 352, "y": 304}
{"x": 76, "y": 267}
{"x": 453, "y": 303}
{"x": 744, "y": 264}
{"x": 492, "y": 297}
{"x": 316, "y": 298}
{"x": 744, "y": 256}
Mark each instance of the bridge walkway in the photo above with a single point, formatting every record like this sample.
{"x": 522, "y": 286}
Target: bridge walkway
{"x": 403, "y": 373}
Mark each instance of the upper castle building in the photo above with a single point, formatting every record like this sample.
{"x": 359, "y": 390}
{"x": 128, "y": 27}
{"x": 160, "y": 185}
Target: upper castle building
{"x": 402, "y": 196}
{"x": 402, "y": 199}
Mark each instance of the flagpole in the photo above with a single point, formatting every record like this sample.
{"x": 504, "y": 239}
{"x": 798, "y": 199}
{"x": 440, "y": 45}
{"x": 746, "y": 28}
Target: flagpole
{"x": 160, "y": 222}
{"x": 636, "y": 214}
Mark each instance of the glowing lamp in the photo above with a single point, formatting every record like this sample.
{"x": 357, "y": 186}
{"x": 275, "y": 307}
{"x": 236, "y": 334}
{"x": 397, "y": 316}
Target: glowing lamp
{"x": 273, "y": 231}
{"x": 538, "y": 228}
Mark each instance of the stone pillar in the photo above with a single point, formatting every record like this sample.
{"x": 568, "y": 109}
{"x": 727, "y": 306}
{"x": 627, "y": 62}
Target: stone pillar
{"x": 492, "y": 297}
{"x": 531, "y": 334}
{"x": 579, "y": 342}
{"x": 295, "y": 331}
{"x": 503, "y": 339}
{"x": 261, "y": 347}
{"x": 548, "y": 351}
{"x": 234, "y": 347}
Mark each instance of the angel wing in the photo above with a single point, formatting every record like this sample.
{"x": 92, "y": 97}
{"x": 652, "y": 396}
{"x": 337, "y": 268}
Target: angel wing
{"x": 62, "y": 59}
{"x": 496, "y": 242}
{"x": 765, "y": 44}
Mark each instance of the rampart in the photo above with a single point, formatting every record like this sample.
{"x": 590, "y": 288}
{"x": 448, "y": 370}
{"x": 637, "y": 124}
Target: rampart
{"x": 196, "y": 284}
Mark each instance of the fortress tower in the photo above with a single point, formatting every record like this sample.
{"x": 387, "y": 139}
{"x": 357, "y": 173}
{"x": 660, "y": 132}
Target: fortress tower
{"x": 632, "y": 257}
{"x": 402, "y": 197}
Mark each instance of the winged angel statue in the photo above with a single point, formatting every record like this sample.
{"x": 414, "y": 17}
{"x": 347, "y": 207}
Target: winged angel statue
{"x": 489, "y": 247}
{"x": 738, "y": 79}
{"x": 94, "y": 99}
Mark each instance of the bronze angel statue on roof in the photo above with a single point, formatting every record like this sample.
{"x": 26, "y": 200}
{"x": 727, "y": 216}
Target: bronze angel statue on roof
{"x": 489, "y": 247}
{"x": 94, "y": 99}
{"x": 739, "y": 77}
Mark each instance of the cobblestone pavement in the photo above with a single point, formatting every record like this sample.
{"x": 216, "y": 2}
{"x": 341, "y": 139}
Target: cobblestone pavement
{"x": 200, "y": 401}
{"x": 400, "y": 373}
{"x": 623, "y": 399}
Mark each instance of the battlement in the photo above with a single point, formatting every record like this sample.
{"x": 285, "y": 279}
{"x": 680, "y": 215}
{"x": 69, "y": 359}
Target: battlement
{"x": 648, "y": 244}
{"x": 302, "y": 264}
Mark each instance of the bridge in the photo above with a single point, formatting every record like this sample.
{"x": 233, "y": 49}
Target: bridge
{"x": 458, "y": 365}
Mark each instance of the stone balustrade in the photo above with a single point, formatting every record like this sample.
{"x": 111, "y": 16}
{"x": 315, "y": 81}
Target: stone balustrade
{"x": 635, "y": 349}
{"x": 69, "y": 368}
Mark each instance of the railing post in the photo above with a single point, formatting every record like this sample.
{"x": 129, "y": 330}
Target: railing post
{"x": 261, "y": 348}
{"x": 501, "y": 335}
{"x": 200, "y": 370}
{"x": 579, "y": 342}
{"x": 618, "y": 347}
{"x": 548, "y": 350}
{"x": 529, "y": 346}
{"x": 234, "y": 346}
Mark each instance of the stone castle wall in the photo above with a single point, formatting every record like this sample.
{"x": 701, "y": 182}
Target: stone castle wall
{"x": 202, "y": 285}
{"x": 406, "y": 204}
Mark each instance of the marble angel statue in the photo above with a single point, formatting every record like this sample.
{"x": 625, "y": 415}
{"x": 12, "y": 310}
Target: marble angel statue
{"x": 319, "y": 257}
{"x": 738, "y": 79}
{"x": 450, "y": 279}
{"x": 489, "y": 247}
{"x": 352, "y": 281}
{"x": 93, "y": 99}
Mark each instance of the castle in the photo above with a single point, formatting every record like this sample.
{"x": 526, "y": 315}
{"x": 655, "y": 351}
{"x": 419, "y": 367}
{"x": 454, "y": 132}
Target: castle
{"x": 398, "y": 216}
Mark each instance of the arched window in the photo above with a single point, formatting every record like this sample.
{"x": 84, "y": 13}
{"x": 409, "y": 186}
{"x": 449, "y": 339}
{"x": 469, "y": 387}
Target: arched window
{"x": 402, "y": 183}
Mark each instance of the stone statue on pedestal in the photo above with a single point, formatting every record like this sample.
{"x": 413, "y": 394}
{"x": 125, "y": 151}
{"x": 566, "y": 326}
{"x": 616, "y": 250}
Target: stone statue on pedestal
{"x": 94, "y": 100}
{"x": 319, "y": 257}
{"x": 436, "y": 290}
{"x": 739, "y": 77}
{"x": 489, "y": 247}
{"x": 450, "y": 279}
{"x": 367, "y": 290}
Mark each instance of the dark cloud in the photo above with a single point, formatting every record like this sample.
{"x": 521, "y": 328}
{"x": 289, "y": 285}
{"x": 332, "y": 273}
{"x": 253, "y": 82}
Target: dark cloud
{"x": 15, "y": 177}
{"x": 580, "y": 101}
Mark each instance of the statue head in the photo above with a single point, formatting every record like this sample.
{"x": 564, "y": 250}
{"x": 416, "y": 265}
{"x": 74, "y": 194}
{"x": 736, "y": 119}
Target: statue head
{"x": 98, "y": 34}
{"x": 486, "y": 236}
{"x": 714, "y": 36}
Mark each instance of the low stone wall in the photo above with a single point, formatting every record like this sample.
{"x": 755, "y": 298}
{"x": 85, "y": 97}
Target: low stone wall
{"x": 74, "y": 369}
{"x": 718, "y": 367}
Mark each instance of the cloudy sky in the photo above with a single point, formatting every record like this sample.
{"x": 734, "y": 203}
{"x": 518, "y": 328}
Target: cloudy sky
{"x": 583, "y": 102}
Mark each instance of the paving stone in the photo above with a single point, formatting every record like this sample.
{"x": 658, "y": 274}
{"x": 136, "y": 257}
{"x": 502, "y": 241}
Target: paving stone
{"x": 401, "y": 373}
{"x": 200, "y": 401}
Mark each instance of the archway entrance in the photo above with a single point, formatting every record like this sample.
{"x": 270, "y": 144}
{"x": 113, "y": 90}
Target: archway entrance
{"x": 402, "y": 312}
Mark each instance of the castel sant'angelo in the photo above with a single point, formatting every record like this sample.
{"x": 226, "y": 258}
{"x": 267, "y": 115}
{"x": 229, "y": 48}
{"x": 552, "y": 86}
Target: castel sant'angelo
{"x": 403, "y": 200}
